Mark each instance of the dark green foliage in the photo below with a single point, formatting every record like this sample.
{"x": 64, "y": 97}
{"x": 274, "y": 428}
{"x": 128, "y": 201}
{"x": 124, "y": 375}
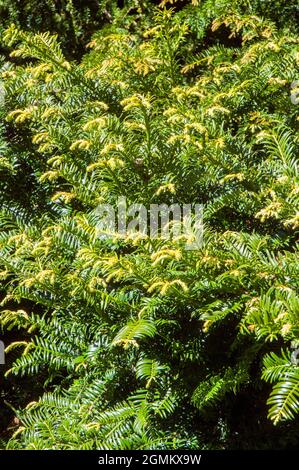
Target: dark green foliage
{"x": 74, "y": 20}
{"x": 137, "y": 342}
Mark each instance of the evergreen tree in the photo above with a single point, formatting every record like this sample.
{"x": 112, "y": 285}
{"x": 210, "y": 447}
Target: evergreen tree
{"x": 137, "y": 342}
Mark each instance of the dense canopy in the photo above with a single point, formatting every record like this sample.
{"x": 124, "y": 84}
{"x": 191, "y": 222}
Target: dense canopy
{"x": 135, "y": 342}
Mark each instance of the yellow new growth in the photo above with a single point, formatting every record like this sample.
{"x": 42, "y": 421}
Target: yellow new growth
{"x": 50, "y": 175}
{"x": 135, "y": 101}
{"x": 21, "y": 115}
{"x": 67, "y": 197}
{"x": 112, "y": 147}
{"x": 166, "y": 285}
{"x": 272, "y": 210}
{"x": 97, "y": 123}
{"x": 165, "y": 254}
{"x": 81, "y": 144}
{"x": 168, "y": 187}
{"x": 40, "y": 137}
